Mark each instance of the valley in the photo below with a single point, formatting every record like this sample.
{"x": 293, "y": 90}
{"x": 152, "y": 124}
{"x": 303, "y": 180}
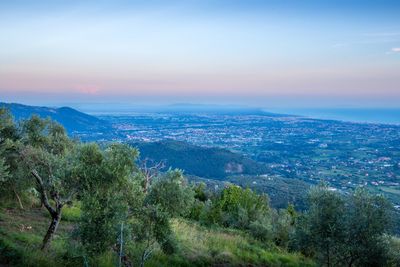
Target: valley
{"x": 343, "y": 154}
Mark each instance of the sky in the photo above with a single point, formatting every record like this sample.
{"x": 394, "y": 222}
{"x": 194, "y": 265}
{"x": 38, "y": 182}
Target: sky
{"x": 271, "y": 53}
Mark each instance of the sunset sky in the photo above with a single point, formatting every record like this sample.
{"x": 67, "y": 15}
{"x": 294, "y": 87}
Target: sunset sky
{"x": 270, "y": 53}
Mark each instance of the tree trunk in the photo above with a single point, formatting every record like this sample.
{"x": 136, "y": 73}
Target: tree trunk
{"x": 142, "y": 260}
{"x": 19, "y": 199}
{"x": 351, "y": 262}
{"x": 50, "y": 232}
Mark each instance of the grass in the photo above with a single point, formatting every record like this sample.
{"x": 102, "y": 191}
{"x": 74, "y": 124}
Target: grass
{"x": 21, "y": 234}
{"x": 22, "y": 231}
{"x": 71, "y": 213}
{"x": 203, "y": 246}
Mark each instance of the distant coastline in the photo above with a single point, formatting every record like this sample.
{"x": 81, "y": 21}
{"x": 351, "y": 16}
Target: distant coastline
{"x": 359, "y": 115}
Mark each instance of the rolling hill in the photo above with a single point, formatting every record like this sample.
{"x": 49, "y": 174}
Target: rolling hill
{"x": 75, "y": 122}
{"x": 205, "y": 162}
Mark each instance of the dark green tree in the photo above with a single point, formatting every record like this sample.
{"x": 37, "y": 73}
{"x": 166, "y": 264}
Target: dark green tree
{"x": 166, "y": 197}
{"x": 109, "y": 192}
{"x": 47, "y": 154}
{"x": 322, "y": 228}
{"x": 16, "y": 181}
{"x": 239, "y": 207}
{"x": 8, "y": 128}
{"x": 368, "y": 220}
{"x": 151, "y": 228}
{"x": 345, "y": 231}
{"x": 171, "y": 193}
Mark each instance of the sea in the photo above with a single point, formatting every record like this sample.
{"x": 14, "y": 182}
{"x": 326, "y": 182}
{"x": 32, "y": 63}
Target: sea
{"x": 362, "y": 115}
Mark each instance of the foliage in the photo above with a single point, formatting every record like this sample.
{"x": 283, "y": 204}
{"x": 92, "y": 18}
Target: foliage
{"x": 200, "y": 192}
{"x": 326, "y": 225}
{"x": 106, "y": 176}
{"x": 171, "y": 193}
{"x": 344, "y": 231}
{"x": 8, "y": 129}
{"x": 4, "y": 174}
{"x": 12, "y": 174}
{"x": 394, "y": 250}
{"x": 99, "y": 223}
{"x": 235, "y": 207}
{"x": 150, "y": 229}
{"x": 169, "y": 196}
{"x": 368, "y": 219}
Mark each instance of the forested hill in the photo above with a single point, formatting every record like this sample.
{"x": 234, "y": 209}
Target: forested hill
{"x": 200, "y": 161}
{"x": 73, "y": 120}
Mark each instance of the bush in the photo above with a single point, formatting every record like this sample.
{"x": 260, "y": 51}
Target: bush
{"x": 262, "y": 229}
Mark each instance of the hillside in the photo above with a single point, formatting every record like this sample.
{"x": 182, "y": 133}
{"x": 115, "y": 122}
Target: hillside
{"x": 21, "y": 233}
{"x": 205, "y": 162}
{"x": 74, "y": 121}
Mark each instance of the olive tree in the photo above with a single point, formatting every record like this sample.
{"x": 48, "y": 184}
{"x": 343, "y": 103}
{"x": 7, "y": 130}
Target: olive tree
{"x": 109, "y": 191}
{"x": 321, "y": 230}
{"x": 15, "y": 182}
{"x": 368, "y": 220}
{"x": 168, "y": 196}
{"x": 343, "y": 230}
{"x": 47, "y": 153}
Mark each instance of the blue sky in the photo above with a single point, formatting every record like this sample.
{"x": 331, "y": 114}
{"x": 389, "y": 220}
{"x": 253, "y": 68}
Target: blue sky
{"x": 271, "y": 53}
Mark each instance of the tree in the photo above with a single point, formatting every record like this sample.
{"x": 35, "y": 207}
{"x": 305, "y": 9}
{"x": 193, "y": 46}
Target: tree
{"x": 109, "y": 191}
{"x": 171, "y": 193}
{"x": 167, "y": 197}
{"x": 150, "y": 228}
{"x": 342, "y": 231}
{"x": 239, "y": 207}
{"x": 149, "y": 172}
{"x": 8, "y": 129}
{"x": 262, "y": 228}
{"x": 200, "y": 192}
{"x": 48, "y": 157}
{"x": 16, "y": 182}
{"x": 284, "y": 225}
{"x": 321, "y": 231}
{"x": 10, "y": 145}
{"x": 368, "y": 220}
{"x": 200, "y": 198}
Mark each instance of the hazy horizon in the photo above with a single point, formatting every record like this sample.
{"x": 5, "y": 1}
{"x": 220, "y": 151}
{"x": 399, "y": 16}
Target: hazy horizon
{"x": 380, "y": 115}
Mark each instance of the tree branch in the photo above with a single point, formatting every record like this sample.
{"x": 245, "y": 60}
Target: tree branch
{"x": 68, "y": 199}
{"x": 43, "y": 194}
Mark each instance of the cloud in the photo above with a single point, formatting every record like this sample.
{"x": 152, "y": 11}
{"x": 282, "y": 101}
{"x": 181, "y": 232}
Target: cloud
{"x": 88, "y": 89}
{"x": 396, "y": 49}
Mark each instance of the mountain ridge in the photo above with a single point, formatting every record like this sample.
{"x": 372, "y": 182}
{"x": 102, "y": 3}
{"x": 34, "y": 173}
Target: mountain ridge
{"x": 74, "y": 121}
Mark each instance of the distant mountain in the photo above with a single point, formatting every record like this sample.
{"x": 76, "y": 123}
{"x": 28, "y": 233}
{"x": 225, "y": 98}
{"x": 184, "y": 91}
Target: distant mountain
{"x": 205, "y": 162}
{"x": 75, "y": 122}
{"x": 183, "y": 108}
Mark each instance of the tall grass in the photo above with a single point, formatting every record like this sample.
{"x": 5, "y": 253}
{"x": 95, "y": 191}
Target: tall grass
{"x": 198, "y": 245}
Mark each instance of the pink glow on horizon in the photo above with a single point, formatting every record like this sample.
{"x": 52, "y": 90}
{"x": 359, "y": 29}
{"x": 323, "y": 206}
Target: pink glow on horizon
{"x": 88, "y": 89}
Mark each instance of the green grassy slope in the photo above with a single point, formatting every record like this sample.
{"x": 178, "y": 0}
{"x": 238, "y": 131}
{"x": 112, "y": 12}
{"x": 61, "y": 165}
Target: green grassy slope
{"x": 21, "y": 234}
